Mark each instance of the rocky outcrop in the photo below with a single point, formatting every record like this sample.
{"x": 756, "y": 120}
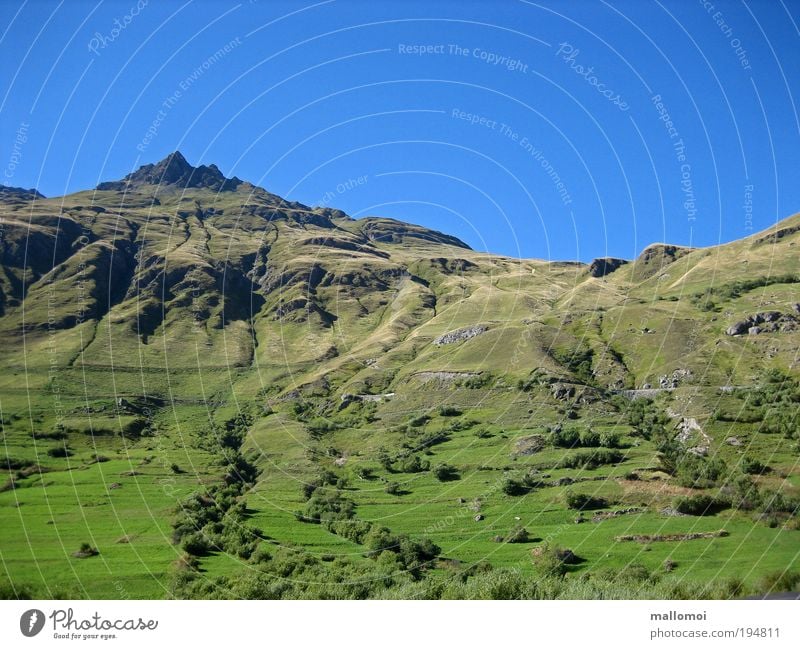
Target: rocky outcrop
{"x": 655, "y": 258}
{"x": 366, "y": 398}
{"x": 18, "y": 194}
{"x": 444, "y": 377}
{"x": 562, "y": 391}
{"x": 174, "y": 170}
{"x": 529, "y": 445}
{"x": 605, "y": 266}
{"x": 675, "y": 379}
{"x": 764, "y": 322}
{"x": 460, "y": 335}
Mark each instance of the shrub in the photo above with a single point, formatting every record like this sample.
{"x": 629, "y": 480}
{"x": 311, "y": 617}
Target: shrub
{"x": 413, "y": 464}
{"x": 323, "y": 507}
{"x": 551, "y": 561}
{"x": 59, "y": 451}
{"x": 610, "y": 440}
{"x": 449, "y": 411}
{"x": 591, "y": 459}
{"x": 196, "y": 544}
{"x": 445, "y": 472}
{"x": 392, "y": 488}
{"x": 517, "y": 535}
{"x": 512, "y": 487}
{"x": 781, "y": 581}
{"x": 320, "y": 426}
{"x": 565, "y": 438}
{"x": 753, "y": 466}
{"x": 85, "y": 551}
{"x": 581, "y": 501}
{"x": 773, "y": 502}
{"x": 479, "y": 381}
{"x": 700, "y": 505}
{"x": 590, "y": 438}
{"x": 699, "y": 472}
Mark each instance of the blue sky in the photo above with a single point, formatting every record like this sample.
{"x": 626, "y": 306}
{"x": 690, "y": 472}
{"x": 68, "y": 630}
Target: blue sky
{"x": 558, "y": 130}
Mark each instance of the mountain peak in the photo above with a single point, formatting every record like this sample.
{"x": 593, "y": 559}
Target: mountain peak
{"x": 14, "y": 194}
{"x": 174, "y": 170}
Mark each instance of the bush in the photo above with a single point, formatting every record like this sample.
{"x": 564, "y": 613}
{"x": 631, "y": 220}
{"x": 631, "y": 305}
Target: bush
{"x": 775, "y": 502}
{"x": 610, "y": 440}
{"x": 565, "y": 438}
{"x": 479, "y": 381}
{"x": 590, "y": 438}
{"x": 591, "y": 459}
{"x": 392, "y": 488}
{"x": 753, "y": 466}
{"x": 449, "y": 411}
{"x": 584, "y": 501}
{"x": 320, "y": 426}
{"x": 512, "y": 487}
{"x": 551, "y": 561}
{"x": 85, "y": 551}
{"x": 59, "y": 451}
{"x": 700, "y": 505}
{"x": 517, "y": 535}
{"x": 323, "y": 507}
{"x": 445, "y": 472}
{"x": 700, "y": 473}
{"x": 413, "y": 464}
{"x": 196, "y": 544}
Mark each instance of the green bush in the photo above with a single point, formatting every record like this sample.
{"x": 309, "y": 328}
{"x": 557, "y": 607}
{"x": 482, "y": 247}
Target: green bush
{"x": 699, "y": 472}
{"x": 590, "y": 438}
{"x": 445, "y": 472}
{"x": 517, "y": 535}
{"x": 591, "y": 459}
{"x": 581, "y": 501}
{"x": 413, "y": 464}
{"x": 449, "y": 411}
{"x": 565, "y": 438}
{"x": 392, "y": 488}
{"x": 512, "y": 487}
{"x": 610, "y": 440}
{"x": 328, "y": 506}
{"x": 701, "y": 505}
{"x": 753, "y": 466}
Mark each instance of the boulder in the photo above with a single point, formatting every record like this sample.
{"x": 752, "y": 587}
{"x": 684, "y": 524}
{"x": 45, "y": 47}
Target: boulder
{"x": 563, "y": 391}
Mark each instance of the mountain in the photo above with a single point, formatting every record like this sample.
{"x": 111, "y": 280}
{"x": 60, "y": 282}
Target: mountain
{"x": 138, "y": 318}
{"x": 17, "y": 194}
{"x": 126, "y": 264}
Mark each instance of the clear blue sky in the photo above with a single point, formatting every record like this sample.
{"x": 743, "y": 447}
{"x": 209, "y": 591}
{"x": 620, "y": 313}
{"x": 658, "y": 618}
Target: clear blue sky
{"x": 310, "y": 96}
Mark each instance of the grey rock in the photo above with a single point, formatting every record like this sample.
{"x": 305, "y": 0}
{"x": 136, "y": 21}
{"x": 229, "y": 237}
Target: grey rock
{"x": 460, "y": 334}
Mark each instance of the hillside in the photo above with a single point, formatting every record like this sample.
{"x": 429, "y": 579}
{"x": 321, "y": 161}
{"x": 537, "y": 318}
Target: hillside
{"x": 206, "y": 382}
